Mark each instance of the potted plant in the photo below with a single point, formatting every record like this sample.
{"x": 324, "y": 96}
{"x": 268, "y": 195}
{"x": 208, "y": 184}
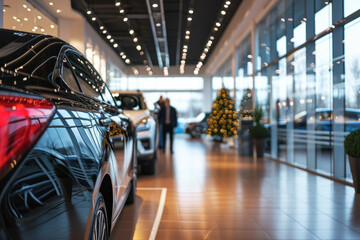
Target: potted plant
{"x": 352, "y": 148}
{"x": 258, "y": 132}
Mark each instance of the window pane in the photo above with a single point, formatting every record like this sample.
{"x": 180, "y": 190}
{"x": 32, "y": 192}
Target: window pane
{"x": 351, "y": 6}
{"x": 323, "y": 19}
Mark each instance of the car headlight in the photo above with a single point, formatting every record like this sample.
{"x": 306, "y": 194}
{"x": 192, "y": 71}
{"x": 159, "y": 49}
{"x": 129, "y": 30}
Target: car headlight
{"x": 144, "y": 125}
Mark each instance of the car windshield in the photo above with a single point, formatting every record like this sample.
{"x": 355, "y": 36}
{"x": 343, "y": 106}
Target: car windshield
{"x": 130, "y": 101}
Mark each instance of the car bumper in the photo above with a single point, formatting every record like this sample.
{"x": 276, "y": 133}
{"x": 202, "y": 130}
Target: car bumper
{"x": 145, "y": 145}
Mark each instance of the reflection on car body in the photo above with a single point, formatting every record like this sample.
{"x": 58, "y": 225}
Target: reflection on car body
{"x": 59, "y": 170}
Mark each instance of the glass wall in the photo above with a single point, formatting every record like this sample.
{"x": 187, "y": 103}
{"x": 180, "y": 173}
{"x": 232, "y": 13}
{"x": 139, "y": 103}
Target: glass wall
{"x": 307, "y": 80}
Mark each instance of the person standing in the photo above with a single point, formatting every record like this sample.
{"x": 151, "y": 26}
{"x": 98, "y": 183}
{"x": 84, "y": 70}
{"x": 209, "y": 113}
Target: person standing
{"x": 168, "y": 119}
{"x": 159, "y": 104}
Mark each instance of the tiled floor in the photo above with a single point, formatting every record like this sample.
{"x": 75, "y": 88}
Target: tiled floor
{"x": 213, "y": 193}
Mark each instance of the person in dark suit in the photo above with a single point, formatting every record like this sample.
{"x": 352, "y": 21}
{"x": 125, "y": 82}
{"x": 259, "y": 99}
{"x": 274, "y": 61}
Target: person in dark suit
{"x": 168, "y": 119}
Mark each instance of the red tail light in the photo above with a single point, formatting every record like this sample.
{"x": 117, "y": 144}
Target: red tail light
{"x": 22, "y": 121}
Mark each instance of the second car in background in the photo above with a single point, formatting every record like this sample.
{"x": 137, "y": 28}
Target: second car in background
{"x": 134, "y": 106}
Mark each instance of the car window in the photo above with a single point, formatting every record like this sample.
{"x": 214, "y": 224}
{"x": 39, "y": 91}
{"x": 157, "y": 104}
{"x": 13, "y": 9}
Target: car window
{"x": 107, "y": 96}
{"x": 82, "y": 73}
{"x": 69, "y": 77}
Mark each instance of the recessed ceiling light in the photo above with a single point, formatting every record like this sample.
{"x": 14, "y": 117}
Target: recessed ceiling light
{"x": 135, "y": 39}
{"x": 189, "y": 19}
{"x": 51, "y": 3}
{"x": 43, "y": 30}
{"x": 155, "y": 5}
{"x": 18, "y": 20}
{"x": 226, "y": 6}
{"x": 227, "y": 2}
{"x": 141, "y": 53}
{"x": 158, "y": 24}
{"x": 187, "y": 32}
{"x": 101, "y": 27}
{"x": 223, "y": 12}
{"x": 108, "y": 36}
{"x": 216, "y": 29}
{"x": 111, "y": 40}
{"x": 52, "y": 26}
{"x": 125, "y": 19}
{"x": 93, "y": 19}
{"x": 58, "y": 11}
{"x": 39, "y": 17}
{"x": 127, "y": 61}
{"x": 26, "y": 19}
{"x": 35, "y": 27}
{"x": 116, "y": 45}
{"x": 104, "y": 32}
{"x": 88, "y": 12}
{"x": 123, "y": 56}
{"x": 122, "y": 11}
{"x": 187, "y": 37}
{"x": 218, "y": 24}
{"x": 28, "y": 9}
{"x": 117, "y": 4}
{"x": 191, "y": 11}
{"x": 131, "y": 31}
{"x": 24, "y": 6}
{"x": 185, "y": 46}
{"x": 211, "y": 37}
{"x": 138, "y": 47}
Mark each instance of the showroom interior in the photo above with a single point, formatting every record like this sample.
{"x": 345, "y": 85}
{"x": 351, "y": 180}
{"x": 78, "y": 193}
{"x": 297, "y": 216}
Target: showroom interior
{"x": 295, "y": 61}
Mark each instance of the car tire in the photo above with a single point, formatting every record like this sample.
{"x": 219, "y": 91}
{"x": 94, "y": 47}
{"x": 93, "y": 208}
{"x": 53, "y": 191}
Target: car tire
{"x": 99, "y": 224}
{"x": 196, "y": 132}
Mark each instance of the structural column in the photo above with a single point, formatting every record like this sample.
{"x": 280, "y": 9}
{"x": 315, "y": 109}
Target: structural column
{"x": 207, "y": 93}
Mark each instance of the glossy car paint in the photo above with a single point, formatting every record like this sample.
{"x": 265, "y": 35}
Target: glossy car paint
{"x": 51, "y": 191}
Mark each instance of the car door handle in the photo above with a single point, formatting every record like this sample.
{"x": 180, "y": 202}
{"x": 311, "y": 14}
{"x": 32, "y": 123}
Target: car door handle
{"x": 105, "y": 122}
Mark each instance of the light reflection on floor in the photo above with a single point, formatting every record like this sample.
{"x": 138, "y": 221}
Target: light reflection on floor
{"x": 213, "y": 193}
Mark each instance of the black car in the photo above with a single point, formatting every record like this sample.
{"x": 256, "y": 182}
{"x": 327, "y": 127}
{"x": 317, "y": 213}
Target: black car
{"x": 67, "y": 158}
{"x": 198, "y": 126}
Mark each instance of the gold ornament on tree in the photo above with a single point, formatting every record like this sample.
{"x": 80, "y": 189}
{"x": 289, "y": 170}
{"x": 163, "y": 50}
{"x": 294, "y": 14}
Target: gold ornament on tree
{"x": 223, "y": 120}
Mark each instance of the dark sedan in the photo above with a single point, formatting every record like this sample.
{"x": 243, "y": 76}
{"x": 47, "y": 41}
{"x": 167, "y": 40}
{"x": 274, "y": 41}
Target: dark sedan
{"x": 61, "y": 174}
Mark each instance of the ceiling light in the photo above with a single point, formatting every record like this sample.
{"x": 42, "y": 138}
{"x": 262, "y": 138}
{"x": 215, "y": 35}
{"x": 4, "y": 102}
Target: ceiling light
{"x": 43, "y": 30}
{"x": 155, "y": 5}
{"x": 117, "y": 4}
{"x": 158, "y": 24}
{"x": 185, "y": 46}
{"x": 141, "y": 53}
{"x": 18, "y": 20}
{"x": 223, "y": 12}
{"x": 187, "y": 37}
{"x": 216, "y": 29}
{"x": 26, "y": 19}
{"x": 102, "y": 27}
{"x": 127, "y": 61}
{"x": 227, "y": 2}
{"x": 122, "y": 11}
{"x": 131, "y": 32}
{"x": 184, "y": 50}
{"x": 125, "y": 19}
{"x": 189, "y": 19}
{"x": 123, "y": 56}
{"x": 52, "y": 26}
{"x": 28, "y": 9}
{"x": 116, "y": 45}
{"x": 51, "y": 3}
{"x": 187, "y": 32}
{"x": 206, "y": 50}
{"x": 58, "y": 10}
{"x": 39, "y": 17}
{"x": 135, "y": 39}
{"x": 93, "y": 19}
{"x": 104, "y": 31}
{"x": 226, "y": 6}
{"x": 108, "y": 36}
{"x": 218, "y": 24}
{"x": 88, "y": 12}
{"x": 35, "y": 27}
{"x": 111, "y": 40}
{"x": 212, "y": 37}
{"x": 191, "y": 11}
{"x": 138, "y": 47}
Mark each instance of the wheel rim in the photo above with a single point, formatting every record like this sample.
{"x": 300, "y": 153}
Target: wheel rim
{"x": 99, "y": 232}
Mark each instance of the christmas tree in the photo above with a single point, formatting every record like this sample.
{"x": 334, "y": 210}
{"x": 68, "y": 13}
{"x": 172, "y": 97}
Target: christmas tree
{"x": 246, "y": 105}
{"x": 223, "y": 120}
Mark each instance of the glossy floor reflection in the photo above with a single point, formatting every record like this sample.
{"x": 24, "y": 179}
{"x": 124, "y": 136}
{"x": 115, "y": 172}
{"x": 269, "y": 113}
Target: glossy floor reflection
{"x": 213, "y": 193}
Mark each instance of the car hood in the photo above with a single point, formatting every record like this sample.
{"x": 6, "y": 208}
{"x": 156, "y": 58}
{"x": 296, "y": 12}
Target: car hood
{"x": 137, "y": 115}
